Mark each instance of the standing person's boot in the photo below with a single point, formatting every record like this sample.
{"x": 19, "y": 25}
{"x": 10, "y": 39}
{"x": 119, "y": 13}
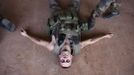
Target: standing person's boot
{"x": 5, "y": 23}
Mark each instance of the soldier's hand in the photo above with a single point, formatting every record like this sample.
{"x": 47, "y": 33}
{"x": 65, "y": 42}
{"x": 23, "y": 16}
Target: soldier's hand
{"x": 23, "y": 32}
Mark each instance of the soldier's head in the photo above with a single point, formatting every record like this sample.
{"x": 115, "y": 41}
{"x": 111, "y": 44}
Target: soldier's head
{"x": 65, "y": 56}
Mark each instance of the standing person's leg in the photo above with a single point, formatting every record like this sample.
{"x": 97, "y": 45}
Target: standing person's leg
{"x": 113, "y": 10}
{"x": 5, "y": 23}
{"x": 102, "y": 6}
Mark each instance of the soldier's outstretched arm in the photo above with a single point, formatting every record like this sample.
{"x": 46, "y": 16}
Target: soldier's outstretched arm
{"x": 94, "y": 40}
{"x": 46, "y": 44}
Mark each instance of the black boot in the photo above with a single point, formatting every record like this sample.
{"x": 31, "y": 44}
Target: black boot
{"x": 5, "y": 23}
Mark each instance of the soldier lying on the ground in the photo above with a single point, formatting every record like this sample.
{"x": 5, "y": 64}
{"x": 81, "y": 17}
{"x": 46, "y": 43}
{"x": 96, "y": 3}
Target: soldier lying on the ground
{"x": 65, "y": 29}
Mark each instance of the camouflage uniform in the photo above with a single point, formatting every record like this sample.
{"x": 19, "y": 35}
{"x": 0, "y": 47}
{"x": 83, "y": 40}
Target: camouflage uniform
{"x": 66, "y": 24}
{"x": 107, "y": 8}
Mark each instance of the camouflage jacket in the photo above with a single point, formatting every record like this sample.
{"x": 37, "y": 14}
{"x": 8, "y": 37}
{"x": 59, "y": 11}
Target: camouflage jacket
{"x": 67, "y": 23}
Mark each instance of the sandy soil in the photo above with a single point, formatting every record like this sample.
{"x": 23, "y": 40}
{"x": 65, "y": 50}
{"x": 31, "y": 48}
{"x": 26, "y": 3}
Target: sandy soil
{"x": 19, "y": 56}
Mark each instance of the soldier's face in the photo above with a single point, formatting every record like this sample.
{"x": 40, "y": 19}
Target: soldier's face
{"x": 65, "y": 59}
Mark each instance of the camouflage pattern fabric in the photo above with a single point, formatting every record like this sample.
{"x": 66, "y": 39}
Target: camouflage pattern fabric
{"x": 105, "y": 5}
{"x": 65, "y": 22}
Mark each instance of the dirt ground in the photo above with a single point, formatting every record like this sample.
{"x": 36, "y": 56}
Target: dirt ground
{"x": 20, "y": 56}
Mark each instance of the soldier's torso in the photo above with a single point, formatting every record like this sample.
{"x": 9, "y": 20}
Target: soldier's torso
{"x": 67, "y": 25}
